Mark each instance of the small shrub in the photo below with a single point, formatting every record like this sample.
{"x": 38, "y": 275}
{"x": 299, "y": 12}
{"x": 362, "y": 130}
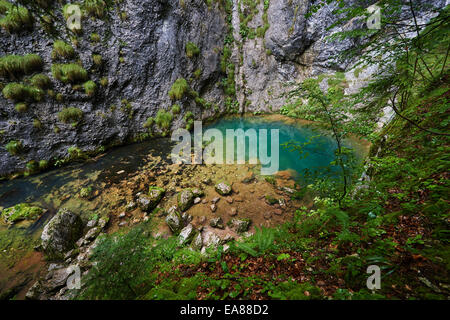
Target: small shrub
{"x": 70, "y": 115}
{"x": 179, "y": 89}
{"x": 192, "y": 50}
{"x": 17, "y": 19}
{"x": 90, "y": 88}
{"x": 63, "y": 50}
{"x": 14, "y": 147}
{"x": 163, "y": 119}
{"x": 40, "y": 81}
{"x": 69, "y": 73}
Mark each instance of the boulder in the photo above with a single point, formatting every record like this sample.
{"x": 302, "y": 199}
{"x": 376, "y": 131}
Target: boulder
{"x": 61, "y": 233}
{"x": 197, "y": 242}
{"x": 185, "y": 199}
{"x": 223, "y": 189}
{"x": 217, "y": 223}
{"x": 149, "y": 202}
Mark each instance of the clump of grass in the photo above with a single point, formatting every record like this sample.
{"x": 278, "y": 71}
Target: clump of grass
{"x": 97, "y": 59}
{"x": 149, "y": 122}
{"x": 104, "y": 82}
{"x": 90, "y": 87}
{"x": 62, "y": 49}
{"x": 95, "y": 37}
{"x": 20, "y": 92}
{"x": 163, "y": 119}
{"x": 176, "y": 109}
{"x": 192, "y": 50}
{"x": 70, "y": 115}
{"x": 40, "y": 81}
{"x": 5, "y": 6}
{"x": 37, "y": 124}
{"x": 189, "y": 119}
{"x": 69, "y": 73}
{"x": 179, "y": 89}
{"x": 197, "y": 73}
{"x": 13, "y": 66}
{"x": 95, "y": 8}
{"x": 17, "y": 18}
{"x": 21, "y": 107}
{"x": 14, "y": 147}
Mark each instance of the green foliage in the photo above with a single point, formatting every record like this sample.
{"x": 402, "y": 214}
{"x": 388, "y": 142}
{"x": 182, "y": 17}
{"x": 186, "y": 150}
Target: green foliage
{"x": 17, "y": 18}
{"x": 70, "y": 115}
{"x": 21, "y": 211}
{"x": 21, "y": 107}
{"x": 95, "y": 37}
{"x": 62, "y": 50}
{"x": 179, "y": 89}
{"x": 149, "y": 123}
{"x": 69, "y": 73}
{"x": 189, "y": 119}
{"x": 20, "y": 92}
{"x": 14, "y": 147}
{"x": 97, "y": 59}
{"x": 192, "y": 50}
{"x": 176, "y": 109}
{"x": 95, "y": 8}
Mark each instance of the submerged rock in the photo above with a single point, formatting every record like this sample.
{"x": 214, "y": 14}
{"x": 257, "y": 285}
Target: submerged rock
{"x": 61, "y": 233}
{"x": 185, "y": 199}
{"x": 223, "y": 189}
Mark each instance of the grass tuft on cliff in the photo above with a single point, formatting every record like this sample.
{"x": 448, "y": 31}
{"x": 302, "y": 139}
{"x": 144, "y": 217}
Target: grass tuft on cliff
{"x": 179, "y": 89}
{"x": 69, "y": 73}
{"x": 14, "y": 66}
{"x": 17, "y": 18}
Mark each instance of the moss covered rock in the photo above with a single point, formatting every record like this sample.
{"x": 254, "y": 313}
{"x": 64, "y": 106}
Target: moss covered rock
{"x": 20, "y": 212}
{"x": 185, "y": 199}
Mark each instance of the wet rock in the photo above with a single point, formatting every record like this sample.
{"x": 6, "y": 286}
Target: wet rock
{"x": 130, "y": 206}
{"x": 288, "y": 190}
{"x": 241, "y": 225}
{"x": 174, "y": 221}
{"x": 92, "y": 234}
{"x": 36, "y": 292}
{"x": 213, "y": 208}
{"x": 282, "y": 202}
{"x": 202, "y": 220}
{"x": 103, "y": 222}
{"x": 91, "y": 223}
{"x": 229, "y": 200}
{"x": 61, "y": 233}
{"x": 210, "y": 239}
{"x": 197, "y": 200}
{"x": 122, "y": 215}
{"x": 198, "y": 192}
{"x": 186, "y": 235}
{"x": 185, "y": 199}
{"x": 149, "y": 202}
{"x": 217, "y": 223}
{"x": 223, "y": 189}
{"x": 21, "y": 212}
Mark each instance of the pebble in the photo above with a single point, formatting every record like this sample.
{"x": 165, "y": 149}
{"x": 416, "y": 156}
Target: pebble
{"x": 213, "y": 208}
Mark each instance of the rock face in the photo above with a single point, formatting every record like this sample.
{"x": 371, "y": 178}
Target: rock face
{"x": 61, "y": 233}
{"x": 142, "y": 57}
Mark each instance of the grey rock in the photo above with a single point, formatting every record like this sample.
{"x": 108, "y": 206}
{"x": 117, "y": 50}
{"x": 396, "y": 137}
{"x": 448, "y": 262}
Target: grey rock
{"x": 186, "y": 235}
{"x": 197, "y": 242}
{"x": 217, "y": 223}
{"x": 223, "y": 189}
{"x": 185, "y": 199}
{"x": 61, "y": 233}
{"x": 174, "y": 221}
{"x": 241, "y": 225}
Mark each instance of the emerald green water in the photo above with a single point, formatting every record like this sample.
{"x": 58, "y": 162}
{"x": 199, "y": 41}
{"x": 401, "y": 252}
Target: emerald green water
{"x": 318, "y": 146}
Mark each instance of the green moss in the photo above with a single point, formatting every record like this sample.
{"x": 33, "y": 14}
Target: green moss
{"x": 14, "y": 66}
{"x": 63, "y": 50}
{"x": 86, "y": 192}
{"x": 104, "y": 82}
{"x": 90, "y": 88}
{"x": 179, "y": 89}
{"x": 37, "y": 124}
{"x": 70, "y": 115}
{"x": 14, "y": 147}
{"x": 4, "y": 6}
{"x": 20, "y": 212}
{"x": 69, "y": 73}
{"x": 197, "y": 73}
{"x": 192, "y": 50}
{"x": 163, "y": 119}
{"x": 17, "y": 18}
{"x": 95, "y": 37}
